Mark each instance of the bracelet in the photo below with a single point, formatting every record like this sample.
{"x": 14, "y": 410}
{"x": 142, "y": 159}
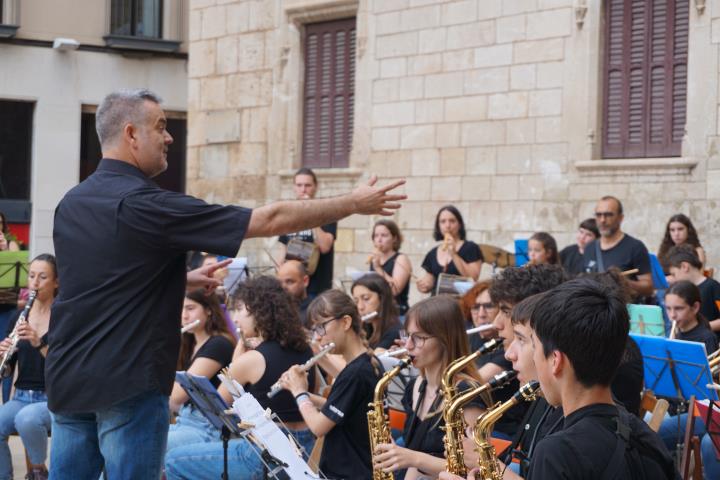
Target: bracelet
{"x": 301, "y": 394}
{"x": 302, "y": 398}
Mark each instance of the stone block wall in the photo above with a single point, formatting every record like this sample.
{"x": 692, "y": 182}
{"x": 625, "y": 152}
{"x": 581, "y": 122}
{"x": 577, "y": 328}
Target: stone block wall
{"x": 492, "y": 105}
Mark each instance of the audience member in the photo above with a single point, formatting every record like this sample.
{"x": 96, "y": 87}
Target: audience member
{"x": 572, "y": 255}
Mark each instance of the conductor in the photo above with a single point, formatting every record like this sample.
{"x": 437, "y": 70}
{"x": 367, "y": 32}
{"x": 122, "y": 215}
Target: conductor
{"x": 120, "y": 242}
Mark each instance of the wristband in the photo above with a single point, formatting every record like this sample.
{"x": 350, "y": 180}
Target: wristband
{"x": 302, "y": 398}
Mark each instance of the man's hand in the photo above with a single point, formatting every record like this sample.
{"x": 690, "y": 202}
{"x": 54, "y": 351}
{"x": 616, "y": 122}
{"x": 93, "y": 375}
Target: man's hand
{"x": 203, "y": 277}
{"x": 371, "y": 200}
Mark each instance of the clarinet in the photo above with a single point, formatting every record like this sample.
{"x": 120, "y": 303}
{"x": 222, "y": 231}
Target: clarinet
{"x": 14, "y": 338}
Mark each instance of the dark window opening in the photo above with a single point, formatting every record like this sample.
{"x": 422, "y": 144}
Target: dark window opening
{"x": 329, "y": 93}
{"x": 136, "y": 18}
{"x": 16, "y": 123}
{"x": 171, "y": 179}
{"x": 646, "y": 52}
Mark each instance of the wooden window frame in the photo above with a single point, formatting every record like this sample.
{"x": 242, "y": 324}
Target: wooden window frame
{"x": 314, "y": 153}
{"x": 662, "y": 123}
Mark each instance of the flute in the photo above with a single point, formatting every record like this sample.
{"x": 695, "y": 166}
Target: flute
{"x": 402, "y": 351}
{"x": 276, "y": 388}
{"x": 368, "y": 316}
{"x": 190, "y": 326}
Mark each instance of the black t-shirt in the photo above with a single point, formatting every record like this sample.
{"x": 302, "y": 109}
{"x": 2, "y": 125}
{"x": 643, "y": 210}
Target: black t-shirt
{"x": 469, "y": 252}
{"x": 585, "y": 446}
{"x": 401, "y": 298}
{"x": 426, "y": 435}
{"x": 388, "y": 338}
{"x": 29, "y": 361}
{"x": 700, "y": 334}
{"x": 278, "y": 360}
{"x": 627, "y": 385}
{"x": 346, "y": 451}
{"x": 629, "y": 253}
{"x": 321, "y": 280}
{"x": 121, "y": 244}
{"x": 709, "y": 294}
{"x": 572, "y": 260}
{"x": 216, "y": 348}
{"x": 303, "y": 306}
{"x": 541, "y": 419}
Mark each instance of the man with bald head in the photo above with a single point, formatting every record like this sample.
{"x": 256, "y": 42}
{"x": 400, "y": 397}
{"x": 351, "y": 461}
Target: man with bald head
{"x": 294, "y": 279}
{"x": 616, "y": 248}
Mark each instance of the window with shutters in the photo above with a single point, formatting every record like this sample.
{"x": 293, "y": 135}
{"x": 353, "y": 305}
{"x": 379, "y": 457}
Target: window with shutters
{"x": 329, "y": 93}
{"x": 646, "y": 52}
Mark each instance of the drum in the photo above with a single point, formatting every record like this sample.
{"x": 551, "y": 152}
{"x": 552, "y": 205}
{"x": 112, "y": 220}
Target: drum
{"x": 305, "y": 252}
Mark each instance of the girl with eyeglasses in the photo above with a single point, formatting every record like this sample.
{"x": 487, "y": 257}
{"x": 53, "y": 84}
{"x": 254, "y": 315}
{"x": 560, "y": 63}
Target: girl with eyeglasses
{"x": 265, "y": 312}
{"x": 478, "y": 309}
{"x": 436, "y": 337}
{"x": 342, "y": 418}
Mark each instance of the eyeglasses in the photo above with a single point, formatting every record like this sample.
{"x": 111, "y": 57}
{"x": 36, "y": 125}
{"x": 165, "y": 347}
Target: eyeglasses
{"x": 418, "y": 340}
{"x": 321, "y": 328}
{"x": 485, "y": 306}
{"x": 604, "y": 214}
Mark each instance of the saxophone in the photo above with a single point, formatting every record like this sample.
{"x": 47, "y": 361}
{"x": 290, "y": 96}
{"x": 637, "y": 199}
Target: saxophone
{"x": 4, "y": 367}
{"x": 489, "y": 467}
{"x": 448, "y": 386}
{"x": 378, "y": 420}
{"x": 455, "y": 423}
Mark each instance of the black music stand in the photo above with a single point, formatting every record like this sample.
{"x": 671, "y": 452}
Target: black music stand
{"x": 213, "y": 407}
{"x": 207, "y": 399}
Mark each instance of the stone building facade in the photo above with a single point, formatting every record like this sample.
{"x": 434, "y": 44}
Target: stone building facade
{"x": 492, "y": 105}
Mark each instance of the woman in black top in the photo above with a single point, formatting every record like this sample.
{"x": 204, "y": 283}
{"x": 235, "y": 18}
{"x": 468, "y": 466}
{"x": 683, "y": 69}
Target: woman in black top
{"x": 266, "y": 313}
{"x": 27, "y": 413}
{"x": 204, "y": 351}
{"x": 455, "y": 255}
{"x": 436, "y": 337}
{"x": 389, "y": 263}
{"x": 342, "y": 418}
{"x": 372, "y": 294}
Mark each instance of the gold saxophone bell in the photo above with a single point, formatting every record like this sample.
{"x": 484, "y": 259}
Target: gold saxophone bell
{"x": 378, "y": 427}
{"x": 487, "y": 460}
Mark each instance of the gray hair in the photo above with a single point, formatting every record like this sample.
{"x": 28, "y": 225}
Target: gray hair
{"x": 118, "y": 109}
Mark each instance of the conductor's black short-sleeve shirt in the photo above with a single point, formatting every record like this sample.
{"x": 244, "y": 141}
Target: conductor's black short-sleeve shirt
{"x": 120, "y": 242}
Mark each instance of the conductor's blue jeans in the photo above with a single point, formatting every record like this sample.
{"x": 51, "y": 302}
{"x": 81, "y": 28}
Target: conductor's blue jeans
{"x": 128, "y": 439}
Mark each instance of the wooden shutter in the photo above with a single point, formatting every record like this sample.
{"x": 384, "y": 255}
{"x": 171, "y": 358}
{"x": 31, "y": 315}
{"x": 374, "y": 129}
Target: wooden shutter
{"x": 329, "y": 93}
{"x": 646, "y": 47}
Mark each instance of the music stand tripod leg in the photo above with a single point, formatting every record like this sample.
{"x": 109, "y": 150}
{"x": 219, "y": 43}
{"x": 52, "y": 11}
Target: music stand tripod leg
{"x": 225, "y": 434}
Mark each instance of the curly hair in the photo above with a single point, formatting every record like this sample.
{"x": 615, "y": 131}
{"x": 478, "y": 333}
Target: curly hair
{"x": 517, "y": 283}
{"x": 276, "y": 314}
{"x": 214, "y": 326}
{"x": 667, "y": 243}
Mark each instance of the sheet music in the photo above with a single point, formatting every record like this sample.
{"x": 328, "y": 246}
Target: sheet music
{"x": 266, "y": 431}
{"x": 237, "y": 273}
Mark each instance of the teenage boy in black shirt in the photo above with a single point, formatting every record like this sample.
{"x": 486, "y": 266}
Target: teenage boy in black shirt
{"x": 685, "y": 265}
{"x": 507, "y": 290}
{"x": 579, "y": 334}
